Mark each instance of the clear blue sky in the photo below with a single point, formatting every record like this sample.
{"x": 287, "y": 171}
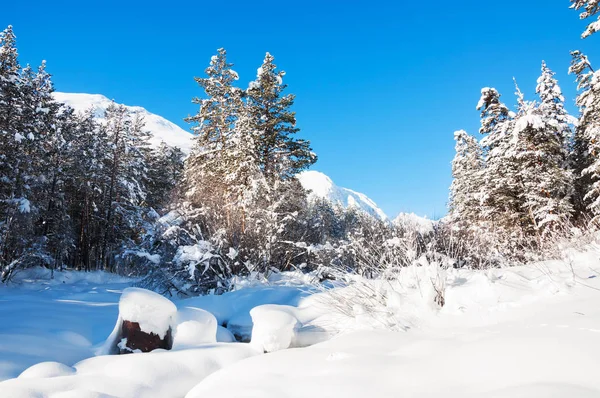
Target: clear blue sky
{"x": 381, "y": 86}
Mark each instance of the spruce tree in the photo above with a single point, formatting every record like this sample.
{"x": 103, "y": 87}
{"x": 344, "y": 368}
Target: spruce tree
{"x": 500, "y": 210}
{"x": 467, "y": 184}
{"x": 279, "y": 153}
{"x": 544, "y": 182}
{"x": 586, "y": 157}
{"x": 16, "y": 143}
{"x": 552, "y": 106}
{"x": 165, "y": 168}
{"x": 214, "y": 125}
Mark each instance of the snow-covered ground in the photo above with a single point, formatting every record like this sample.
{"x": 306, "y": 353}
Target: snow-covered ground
{"x": 518, "y": 332}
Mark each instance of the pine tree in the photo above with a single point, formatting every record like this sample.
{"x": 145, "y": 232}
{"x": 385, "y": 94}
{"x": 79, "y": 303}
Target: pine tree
{"x": 544, "y": 182}
{"x": 552, "y": 106}
{"x": 467, "y": 185}
{"x": 590, "y": 8}
{"x": 90, "y": 148}
{"x": 124, "y": 182}
{"x": 500, "y": 210}
{"x": 214, "y": 125}
{"x": 279, "y": 154}
{"x": 16, "y": 143}
{"x": 165, "y": 169}
{"x": 586, "y": 153}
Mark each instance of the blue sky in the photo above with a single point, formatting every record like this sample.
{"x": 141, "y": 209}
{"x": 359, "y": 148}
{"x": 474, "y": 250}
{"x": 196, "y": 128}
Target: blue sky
{"x": 381, "y": 87}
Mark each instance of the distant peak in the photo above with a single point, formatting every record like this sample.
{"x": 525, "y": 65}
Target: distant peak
{"x": 321, "y": 186}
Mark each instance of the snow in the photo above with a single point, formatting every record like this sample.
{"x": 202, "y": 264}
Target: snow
{"x": 273, "y": 329}
{"x": 153, "y": 258}
{"x": 528, "y": 121}
{"x": 46, "y": 370}
{"x": 24, "y": 205}
{"x": 193, "y": 255}
{"x": 528, "y": 331}
{"x": 415, "y": 223}
{"x": 59, "y": 319}
{"x": 233, "y": 309}
{"x": 224, "y": 335}
{"x": 194, "y": 328}
{"x": 161, "y": 128}
{"x": 153, "y": 312}
{"x": 321, "y": 186}
{"x": 522, "y": 332}
{"x": 160, "y": 374}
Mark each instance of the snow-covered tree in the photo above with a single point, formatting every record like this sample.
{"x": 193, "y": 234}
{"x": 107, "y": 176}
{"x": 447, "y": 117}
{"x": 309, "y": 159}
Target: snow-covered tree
{"x": 467, "y": 184}
{"x": 552, "y": 105}
{"x": 589, "y": 8}
{"x": 500, "y": 197}
{"x": 18, "y": 150}
{"x": 586, "y": 152}
{"x": 207, "y": 167}
{"x": 279, "y": 153}
{"x": 124, "y": 181}
{"x": 165, "y": 170}
{"x": 544, "y": 181}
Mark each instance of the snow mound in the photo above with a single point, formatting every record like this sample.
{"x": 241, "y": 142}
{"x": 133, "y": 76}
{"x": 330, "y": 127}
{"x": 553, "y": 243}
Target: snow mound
{"x": 47, "y": 369}
{"x": 233, "y": 308}
{"x": 194, "y": 327}
{"x": 321, "y": 186}
{"x": 224, "y": 335}
{"x": 153, "y": 312}
{"x": 157, "y": 374}
{"x": 161, "y": 128}
{"x": 273, "y": 328}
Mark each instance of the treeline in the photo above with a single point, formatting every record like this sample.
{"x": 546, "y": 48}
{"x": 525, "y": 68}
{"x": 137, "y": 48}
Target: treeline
{"x": 242, "y": 210}
{"x": 87, "y": 194}
{"x": 73, "y": 192}
{"x": 90, "y": 195}
{"x": 536, "y": 172}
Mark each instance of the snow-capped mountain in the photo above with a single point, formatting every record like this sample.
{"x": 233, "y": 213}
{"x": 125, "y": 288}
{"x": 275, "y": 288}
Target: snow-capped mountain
{"x": 321, "y": 186}
{"x": 318, "y": 183}
{"x": 161, "y": 128}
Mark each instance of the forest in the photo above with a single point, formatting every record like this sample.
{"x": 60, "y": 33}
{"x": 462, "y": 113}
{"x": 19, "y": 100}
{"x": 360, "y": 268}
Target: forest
{"x": 79, "y": 193}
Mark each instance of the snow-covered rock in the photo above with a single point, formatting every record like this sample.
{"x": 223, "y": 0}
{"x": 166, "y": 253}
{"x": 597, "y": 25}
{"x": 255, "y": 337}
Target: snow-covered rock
{"x": 161, "y": 128}
{"x": 321, "y": 186}
{"x": 153, "y": 312}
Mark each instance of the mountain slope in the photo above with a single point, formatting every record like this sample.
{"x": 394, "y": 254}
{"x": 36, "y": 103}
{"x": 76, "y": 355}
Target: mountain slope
{"x": 161, "y": 128}
{"x": 321, "y": 186}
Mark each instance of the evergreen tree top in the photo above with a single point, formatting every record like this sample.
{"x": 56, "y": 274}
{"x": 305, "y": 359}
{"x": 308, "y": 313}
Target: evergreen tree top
{"x": 589, "y": 8}
{"x": 9, "y": 63}
{"x": 493, "y": 111}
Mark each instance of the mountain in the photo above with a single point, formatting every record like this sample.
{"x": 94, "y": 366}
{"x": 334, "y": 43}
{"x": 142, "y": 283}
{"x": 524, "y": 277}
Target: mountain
{"x": 161, "y": 128}
{"x": 321, "y": 186}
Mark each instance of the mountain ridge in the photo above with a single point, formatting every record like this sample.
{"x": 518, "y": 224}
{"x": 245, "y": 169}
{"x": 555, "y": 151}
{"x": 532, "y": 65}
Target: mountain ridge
{"x": 161, "y": 128}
